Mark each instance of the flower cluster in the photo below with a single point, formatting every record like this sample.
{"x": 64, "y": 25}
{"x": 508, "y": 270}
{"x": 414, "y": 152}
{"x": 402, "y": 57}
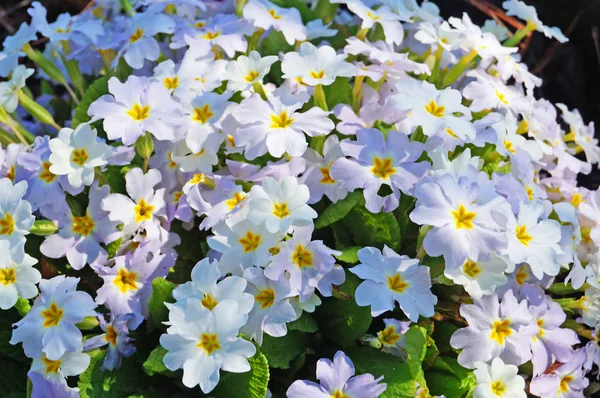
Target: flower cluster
{"x": 239, "y": 188}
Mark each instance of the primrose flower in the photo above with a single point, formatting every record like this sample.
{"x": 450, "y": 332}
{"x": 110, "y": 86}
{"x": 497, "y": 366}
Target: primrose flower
{"x": 266, "y": 15}
{"x": 17, "y": 279}
{"x": 460, "y": 212}
{"x": 313, "y": 66}
{"x": 435, "y": 111}
{"x": 201, "y": 161}
{"x": 498, "y": 380}
{"x": 9, "y": 90}
{"x": 581, "y": 134}
{"x": 201, "y": 342}
{"x": 201, "y": 116}
{"x": 389, "y": 21}
{"x": 76, "y": 154}
{"x": 206, "y": 288}
{"x": 49, "y": 327}
{"x": 134, "y": 107}
{"x": 278, "y": 206}
{"x": 272, "y": 307}
{"x": 389, "y": 277}
{"x": 15, "y": 217}
{"x": 529, "y": 14}
{"x": 479, "y": 278}
{"x": 495, "y": 330}
{"x": 276, "y": 126}
{"x": 568, "y": 380}
{"x": 336, "y": 379}
{"x": 116, "y": 337}
{"x": 393, "y": 337}
{"x": 143, "y": 208}
{"x": 379, "y": 161}
{"x": 488, "y": 92}
{"x": 245, "y": 71}
{"x": 69, "y": 364}
{"x": 79, "y": 237}
{"x": 128, "y": 283}
{"x": 12, "y": 48}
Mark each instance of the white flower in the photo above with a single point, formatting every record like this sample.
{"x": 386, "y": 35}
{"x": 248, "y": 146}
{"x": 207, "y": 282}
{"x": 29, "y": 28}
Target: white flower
{"x": 272, "y": 307}
{"x": 479, "y": 278}
{"x": 69, "y": 364}
{"x": 76, "y": 153}
{"x": 201, "y": 161}
{"x": 134, "y": 107}
{"x": 201, "y": 118}
{"x": 245, "y": 71}
{"x": 144, "y": 206}
{"x": 390, "y": 277}
{"x": 9, "y": 90}
{"x": 488, "y": 92}
{"x": 278, "y": 206}
{"x": 471, "y": 37}
{"x": 201, "y": 342}
{"x": 15, "y": 217}
{"x": 277, "y": 126}
{"x": 17, "y": 279}
{"x": 389, "y": 21}
{"x": 529, "y": 13}
{"x": 498, "y": 380}
{"x": 442, "y": 35}
{"x": 266, "y": 15}
{"x": 312, "y": 65}
{"x": 206, "y": 288}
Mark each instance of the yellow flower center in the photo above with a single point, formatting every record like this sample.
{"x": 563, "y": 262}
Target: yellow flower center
{"x": 211, "y": 35}
{"x": 79, "y": 156}
{"x": 52, "y": 315}
{"x": 498, "y": 388}
{"x": 209, "y": 302}
{"x": 388, "y": 336}
{"x": 46, "y": 175}
{"x": 136, "y": 35}
{"x": 111, "y": 335}
{"x": 230, "y": 140}
{"x": 11, "y": 173}
{"x": 339, "y": 394}
{"x": 209, "y": 343}
{"x": 424, "y": 393}
{"x": 139, "y": 112}
{"x": 202, "y": 115}
{"x": 51, "y": 366}
{"x": 317, "y": 75}
{"x": 522, "y": 235}
{"x": 302, "y": 257}
{"x": 500, "y": 330}
{"x": 250, "y": 242}
{"x": 171, "y": 83}
{"x": 576, "y": 200}
{"x": 274, "y": 14}
{"x": 521, "y": 276}
{"x": 564, "y": 383}
{"x": 281, "y": 210}
{"x": 396, "y": 283}
{"x": 373, "y": 17}
{"x": 143, "y": 211}
{"x": 275, "y": 251}
{"x": 126, "y": 280}
{"x": 501, "y": 97}
{"x": 509, "y": 146}
{"x": 382, "y": 168}
{"x": 172, "y": 163}
{"x": 529, "y": 193}
{"x": 450, "y": 133}
{"x": 237, "y": 198}
{"x": 434, "y": 109}
{"x": 83, "y": 225}
{"x": 282, "y": 121}
{"x": 7, "y": 224}
{"x": 251, "y": 76}
{"x": 8, "y": 276}
{"x": 265, "y": 298}
{"x": 471, "y": 268}
{"x": 177, "y": 196}
{"x": 463, "y": 218}
{"x": 325, "y": 173}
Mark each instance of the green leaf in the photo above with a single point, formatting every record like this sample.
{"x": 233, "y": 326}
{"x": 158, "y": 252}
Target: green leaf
{"x": 161, "y": 293}
{"x": 274, "y": 43}
{"x": 280, "y": 351}
{"x": 340, "y": 92}
{"x": 252, "y": 384}
{"x": 349, "y": 255}
{"x": 416, "y": 349}
{"x": 342, "y": 320}
{"x": 448, "y": 377}
{"x": 373, "y": 229}
{"x": 305, "y": 323}
{"x": 97, "y": 89}
{"x": 338, "y": 210}
{"x": 442, "y": 335}
{"x": 396, "y": 374}
{"x": 13, "y": 379}
{"x": 154, "y": 364}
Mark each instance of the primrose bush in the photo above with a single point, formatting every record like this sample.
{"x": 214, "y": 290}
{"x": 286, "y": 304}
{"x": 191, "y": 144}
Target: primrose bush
{"x": 347, "y": 199}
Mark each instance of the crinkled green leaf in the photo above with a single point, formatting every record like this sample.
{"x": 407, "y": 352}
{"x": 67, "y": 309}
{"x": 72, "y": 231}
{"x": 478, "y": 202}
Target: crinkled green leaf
{"x": 340, "y": 92}
{"x": 373, "y": 229}
{"x": 161, "y": 293}
{"x": 349, "y": 255}
{"x": 280, "y": 351}
{"x": 396, "y": 374}
{"x": 338, "y": 210}
{"x": 446, "y": 376}
{"x": 252, "y": 384}
{"x": 305, "y": 323}
{"x": 154, "y": 363}
{"x": 416, "y": 349}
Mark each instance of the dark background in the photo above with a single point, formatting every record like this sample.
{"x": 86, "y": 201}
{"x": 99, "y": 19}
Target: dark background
{"x": 571, "y": 71}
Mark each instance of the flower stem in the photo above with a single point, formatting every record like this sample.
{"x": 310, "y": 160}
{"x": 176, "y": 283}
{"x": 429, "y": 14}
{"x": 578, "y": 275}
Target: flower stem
{"x": 519, "y": 35}
{"x": 319, "y": 98}
{"x": 458, "y": 69}
{"x": 258, "y": 89}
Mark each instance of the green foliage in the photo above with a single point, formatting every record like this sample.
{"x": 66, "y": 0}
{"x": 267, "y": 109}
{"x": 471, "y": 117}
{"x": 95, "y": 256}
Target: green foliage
{"x": 161, "y": 293}
{"x": 97, "y": 89}
{"x": 448, "y": 377}
{"x": 252, "y": 384}
{"x": 373, "y": 229}
{"x": 349, "y": 255}
{"x": 280, "y": 351}
{"x": 154, "y": 363}
{"x": 340, "y": 92}
{"x": 416, "y": 349}
{"x": 341, "y": 319}
{"x": 338, "y": 210}
{"x": 305, "y": 323}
